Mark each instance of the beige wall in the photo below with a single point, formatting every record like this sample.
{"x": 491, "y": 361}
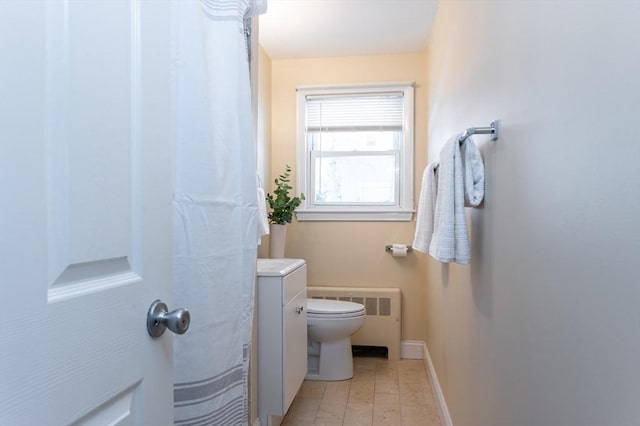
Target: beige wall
{"x": 261, "y": 94}
{"x": 264, "y": 118}
{"x": 544, "y": 327}
{"x": 352, "y": 253}
{"x": 264, "y": 131}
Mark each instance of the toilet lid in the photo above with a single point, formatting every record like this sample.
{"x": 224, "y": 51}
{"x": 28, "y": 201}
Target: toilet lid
{"x": 325, "y": 306}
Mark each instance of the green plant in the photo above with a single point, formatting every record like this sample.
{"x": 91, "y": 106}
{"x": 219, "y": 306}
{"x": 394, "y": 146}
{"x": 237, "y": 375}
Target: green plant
{"x": 282, "y": 205}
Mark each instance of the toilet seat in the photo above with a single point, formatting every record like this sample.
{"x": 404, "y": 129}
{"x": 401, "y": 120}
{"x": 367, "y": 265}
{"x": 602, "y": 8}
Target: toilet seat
{"x": 333, "y": 309}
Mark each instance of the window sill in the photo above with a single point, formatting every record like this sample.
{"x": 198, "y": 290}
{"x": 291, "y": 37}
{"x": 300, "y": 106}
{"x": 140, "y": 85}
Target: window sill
{"x": 355, "y": 216}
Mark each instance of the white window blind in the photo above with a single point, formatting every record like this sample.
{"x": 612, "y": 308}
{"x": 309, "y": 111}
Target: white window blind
{"x": 361, "y": 112}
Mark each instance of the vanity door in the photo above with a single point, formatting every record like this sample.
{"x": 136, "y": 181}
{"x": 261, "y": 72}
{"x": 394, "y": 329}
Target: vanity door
{"x": 295, "y": 344}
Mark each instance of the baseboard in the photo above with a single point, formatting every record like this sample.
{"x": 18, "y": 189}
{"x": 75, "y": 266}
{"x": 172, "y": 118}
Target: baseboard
{"x": 411, "y": 349}
{"x": 437, "y": 390}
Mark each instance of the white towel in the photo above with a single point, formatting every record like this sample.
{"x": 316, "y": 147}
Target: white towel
{"x": 263, "y": 220}
{"x": 426, "y": 206}
{"x": 450, "y": 242}
{"x": 473, "y": 169}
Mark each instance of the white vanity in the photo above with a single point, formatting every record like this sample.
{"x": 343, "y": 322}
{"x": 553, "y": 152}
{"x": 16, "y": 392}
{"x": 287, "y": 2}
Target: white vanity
{"x": 282, "y": 335}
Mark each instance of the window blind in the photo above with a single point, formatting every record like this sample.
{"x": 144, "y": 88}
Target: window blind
{"x": 355, "y": 112}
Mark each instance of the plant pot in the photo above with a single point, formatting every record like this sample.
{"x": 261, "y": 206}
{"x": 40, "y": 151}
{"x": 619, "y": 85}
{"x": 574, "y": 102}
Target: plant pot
{"x": 277, "y": 240}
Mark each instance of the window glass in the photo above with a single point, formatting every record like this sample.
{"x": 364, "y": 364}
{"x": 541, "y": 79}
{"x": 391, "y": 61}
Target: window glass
{"x": 355, "y": 140}
{"x": 356, "y": 179}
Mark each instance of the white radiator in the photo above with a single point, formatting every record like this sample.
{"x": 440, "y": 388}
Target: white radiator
{"x": 382, "y": 324}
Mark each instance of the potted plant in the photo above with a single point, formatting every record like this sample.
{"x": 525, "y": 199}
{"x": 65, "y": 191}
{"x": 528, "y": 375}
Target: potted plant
{"x": 282, "y": 206}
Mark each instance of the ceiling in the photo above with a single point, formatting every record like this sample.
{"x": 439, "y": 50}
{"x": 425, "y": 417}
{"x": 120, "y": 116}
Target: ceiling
{"x": 321, "y": 28}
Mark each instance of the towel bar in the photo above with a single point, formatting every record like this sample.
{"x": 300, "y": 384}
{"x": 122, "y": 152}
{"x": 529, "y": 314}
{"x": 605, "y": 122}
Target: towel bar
{"x": 491, "y": 130}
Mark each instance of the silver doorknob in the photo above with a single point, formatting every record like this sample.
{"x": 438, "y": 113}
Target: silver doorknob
{"x": 159, "y": 318}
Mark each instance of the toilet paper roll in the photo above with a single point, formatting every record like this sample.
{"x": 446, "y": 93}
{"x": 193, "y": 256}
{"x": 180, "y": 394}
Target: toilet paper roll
{"x": 398, "y": 250}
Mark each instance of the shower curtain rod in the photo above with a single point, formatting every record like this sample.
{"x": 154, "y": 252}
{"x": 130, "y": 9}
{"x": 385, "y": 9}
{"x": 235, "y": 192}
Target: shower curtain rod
{"x": 491, "y": 130}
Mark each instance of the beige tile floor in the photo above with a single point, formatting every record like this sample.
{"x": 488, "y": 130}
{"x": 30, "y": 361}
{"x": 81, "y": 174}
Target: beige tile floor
{"x": 382, "y": 392}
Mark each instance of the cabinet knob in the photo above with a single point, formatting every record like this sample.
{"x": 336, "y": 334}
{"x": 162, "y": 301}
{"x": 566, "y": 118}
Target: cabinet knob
{"x": 299, "y": 310}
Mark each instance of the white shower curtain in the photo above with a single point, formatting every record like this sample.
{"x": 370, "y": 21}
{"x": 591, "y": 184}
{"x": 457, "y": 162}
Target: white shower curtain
{"x": 215, "y": 209}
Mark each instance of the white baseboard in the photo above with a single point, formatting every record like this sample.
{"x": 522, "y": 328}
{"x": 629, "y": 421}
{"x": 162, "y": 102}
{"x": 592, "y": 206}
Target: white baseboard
{"x": 437, "y": 390}
{"x": 411, "y": 349}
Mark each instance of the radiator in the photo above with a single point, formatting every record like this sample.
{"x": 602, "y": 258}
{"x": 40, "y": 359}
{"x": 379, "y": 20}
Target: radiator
{"x": 382, "y": 324}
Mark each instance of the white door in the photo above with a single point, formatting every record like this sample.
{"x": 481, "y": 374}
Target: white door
{"x": 85, "y": 211}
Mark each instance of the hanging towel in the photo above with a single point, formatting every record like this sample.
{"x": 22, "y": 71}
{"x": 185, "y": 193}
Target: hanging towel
{"x": 450, "y": 242}
{"x": 473, "y": 169}
{"x": 426, "y": 206}
{"x": 263, "y": 220}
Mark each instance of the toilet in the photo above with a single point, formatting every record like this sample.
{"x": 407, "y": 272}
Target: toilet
{"x": 330, "y": 324}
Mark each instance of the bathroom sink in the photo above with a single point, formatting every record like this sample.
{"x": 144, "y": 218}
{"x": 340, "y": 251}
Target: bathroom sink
{"x": 278, "y": 267}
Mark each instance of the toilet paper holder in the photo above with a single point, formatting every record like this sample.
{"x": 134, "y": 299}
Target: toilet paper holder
{"x": 389, "y": 248}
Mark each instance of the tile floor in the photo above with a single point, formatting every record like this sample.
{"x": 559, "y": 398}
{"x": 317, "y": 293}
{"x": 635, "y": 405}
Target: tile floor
{"x": 382, "y": 392}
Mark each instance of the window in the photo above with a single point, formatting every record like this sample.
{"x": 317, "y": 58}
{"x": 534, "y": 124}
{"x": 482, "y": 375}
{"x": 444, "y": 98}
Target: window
{"x": 355, "y": 152}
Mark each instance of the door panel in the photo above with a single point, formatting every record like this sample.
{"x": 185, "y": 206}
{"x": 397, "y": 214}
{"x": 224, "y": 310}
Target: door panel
{"x": 86, "y": 246}
{"x": 121, "y": 410}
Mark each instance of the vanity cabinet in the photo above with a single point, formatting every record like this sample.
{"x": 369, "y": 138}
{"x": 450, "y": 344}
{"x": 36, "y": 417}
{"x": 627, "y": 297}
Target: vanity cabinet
{"x": 282, "y": 335}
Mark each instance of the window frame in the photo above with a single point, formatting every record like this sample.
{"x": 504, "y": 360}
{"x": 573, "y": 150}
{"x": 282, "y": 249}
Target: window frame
{"x": 308, "y": 210}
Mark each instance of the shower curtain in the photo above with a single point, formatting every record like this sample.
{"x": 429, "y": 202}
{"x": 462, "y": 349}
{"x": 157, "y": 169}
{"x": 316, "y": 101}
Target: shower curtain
{"x": 215, "y": 209}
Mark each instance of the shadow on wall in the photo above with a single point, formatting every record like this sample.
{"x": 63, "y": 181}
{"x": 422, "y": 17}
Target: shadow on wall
{"x": 481, "y": 223}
